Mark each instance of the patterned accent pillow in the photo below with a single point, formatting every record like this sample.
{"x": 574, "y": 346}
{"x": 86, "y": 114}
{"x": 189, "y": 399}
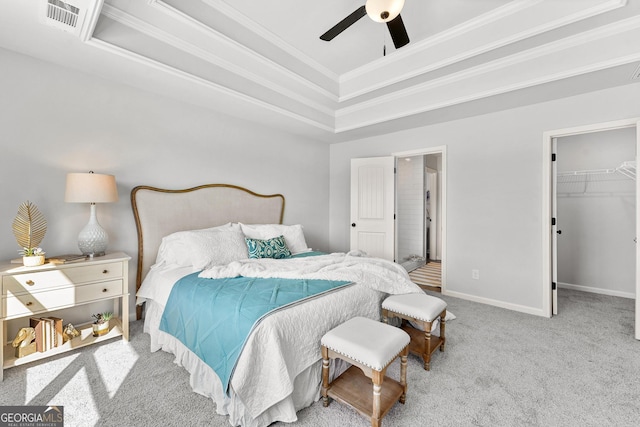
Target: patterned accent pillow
{"x": 270, "y": 248}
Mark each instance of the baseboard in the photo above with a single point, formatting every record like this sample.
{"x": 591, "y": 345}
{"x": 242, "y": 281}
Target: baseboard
{"x": 496, "y": 303}
{"x": 597, "y": 290}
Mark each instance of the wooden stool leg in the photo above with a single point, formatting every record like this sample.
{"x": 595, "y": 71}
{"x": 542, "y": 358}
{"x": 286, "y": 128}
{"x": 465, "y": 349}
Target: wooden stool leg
{"x": 403, "y": 373}
{"x": 325, "y": 376}
{"x": 378, "y": 377}
{"x": 385, "y": 315}
{"x": 426, "y": 356}
{"x": 442, "y": 325}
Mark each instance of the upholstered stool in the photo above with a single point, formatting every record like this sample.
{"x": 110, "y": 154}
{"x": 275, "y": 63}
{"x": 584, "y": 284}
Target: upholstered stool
{"x": 422, "y": 310}
{"x": 370, "y": 347}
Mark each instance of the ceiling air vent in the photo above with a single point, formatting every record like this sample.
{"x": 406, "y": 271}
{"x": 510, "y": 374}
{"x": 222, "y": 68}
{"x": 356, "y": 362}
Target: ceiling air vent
{"x": 78, "y": 17}
{"x": 64, "y": 14}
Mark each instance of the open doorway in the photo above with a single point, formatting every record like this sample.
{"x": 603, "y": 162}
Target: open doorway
{"x": 596, "y": 204}
{"x": 419, "y": 216}
{"x": 550, "y": 229}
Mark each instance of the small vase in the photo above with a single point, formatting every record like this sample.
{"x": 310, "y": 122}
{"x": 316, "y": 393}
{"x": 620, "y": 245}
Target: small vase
{"x": 100, "y": 328}
{"x": 33, "y": 261}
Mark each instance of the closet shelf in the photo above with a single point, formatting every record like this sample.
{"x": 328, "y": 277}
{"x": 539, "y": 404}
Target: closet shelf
{"x": 597, "y": 181}
{"x": 625, "y": 170}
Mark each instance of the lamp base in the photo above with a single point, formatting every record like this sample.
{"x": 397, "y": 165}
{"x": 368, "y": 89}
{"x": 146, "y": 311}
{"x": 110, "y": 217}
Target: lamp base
{"x": 93, "y": 239}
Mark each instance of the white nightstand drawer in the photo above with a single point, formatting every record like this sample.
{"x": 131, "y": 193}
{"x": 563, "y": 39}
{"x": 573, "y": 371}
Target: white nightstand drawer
{"x": 22, "y": 305}
{"x": 91, "y": 273}
{"x": 45, "y": 280}
{"x": 97, "y": 291}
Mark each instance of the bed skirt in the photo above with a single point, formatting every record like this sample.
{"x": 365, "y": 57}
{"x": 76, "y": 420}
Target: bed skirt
{"x": 204, "y": 381}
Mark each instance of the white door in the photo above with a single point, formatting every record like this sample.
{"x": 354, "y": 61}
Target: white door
{"x": 372, "y": 206}
{"x": 554, "y": 228}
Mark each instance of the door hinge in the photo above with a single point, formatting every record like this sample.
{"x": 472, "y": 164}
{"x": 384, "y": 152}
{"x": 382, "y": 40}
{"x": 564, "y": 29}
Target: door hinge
{"x": 553, "y": 221}
{"x": 394, "y": 217}
{"x": 553, "y": 157}
{"x": 553, "y": 286}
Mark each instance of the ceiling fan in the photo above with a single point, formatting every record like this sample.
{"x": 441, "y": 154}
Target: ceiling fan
{"x": 380, "y": 11}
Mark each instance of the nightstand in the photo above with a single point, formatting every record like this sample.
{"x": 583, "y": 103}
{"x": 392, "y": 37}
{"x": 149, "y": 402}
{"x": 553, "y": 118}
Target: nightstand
{"x": 33, "y": 291}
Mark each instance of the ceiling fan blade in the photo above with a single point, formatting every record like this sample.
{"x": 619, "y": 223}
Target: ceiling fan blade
{"x": 344, "y": 24}
{"x": 398, "y": 32}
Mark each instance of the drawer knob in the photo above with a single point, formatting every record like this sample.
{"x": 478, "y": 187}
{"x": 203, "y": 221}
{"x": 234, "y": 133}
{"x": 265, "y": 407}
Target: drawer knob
{"x": 105, "y": 271}
{"x": 105, "y": 290}
{"x": 29, "y": 303}
{"x": 30, "y": 282}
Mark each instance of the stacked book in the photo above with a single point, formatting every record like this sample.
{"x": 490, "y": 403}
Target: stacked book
{"x": 48, "y": 332}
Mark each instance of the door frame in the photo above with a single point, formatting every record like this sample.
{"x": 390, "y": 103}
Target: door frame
{"x": 442, "y": 150}
{"x": 547, "y": 204}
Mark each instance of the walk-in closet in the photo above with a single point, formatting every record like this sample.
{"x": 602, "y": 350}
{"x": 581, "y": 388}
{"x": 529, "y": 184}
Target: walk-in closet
{"x": 596, "y": 205}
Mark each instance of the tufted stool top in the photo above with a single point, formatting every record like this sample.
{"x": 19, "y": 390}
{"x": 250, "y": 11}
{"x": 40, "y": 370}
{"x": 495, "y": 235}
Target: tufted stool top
{"x": 419, "y": 306}
{"x": 366, "y": 341}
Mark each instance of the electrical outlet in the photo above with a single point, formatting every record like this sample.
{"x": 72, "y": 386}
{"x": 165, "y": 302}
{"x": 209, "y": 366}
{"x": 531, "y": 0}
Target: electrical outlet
{"x": 475, "y": 274}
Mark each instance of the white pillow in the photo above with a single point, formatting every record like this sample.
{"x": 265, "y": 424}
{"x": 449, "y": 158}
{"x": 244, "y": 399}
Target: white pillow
{"x": 201, "y": 248}
{"x": 293, "y": 235}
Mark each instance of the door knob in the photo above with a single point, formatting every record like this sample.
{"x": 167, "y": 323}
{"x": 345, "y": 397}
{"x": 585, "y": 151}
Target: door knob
{"x": 353, "y": 224}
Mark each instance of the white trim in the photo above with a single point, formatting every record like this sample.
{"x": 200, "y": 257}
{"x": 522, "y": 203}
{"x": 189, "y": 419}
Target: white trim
{"x": 416, "y": 48}
{"x": 90, "y": 20}
{"x": 203, "y": 82}
{"x": 600, "y": 291}
{"x": 161, "y": 35}
{"x": 517, "y": 58}
{"x": 176, "y": 14}
{"x": 546, "y": 199}
{"x": 442, "y": 150}
{"x": 224, "y": 8}
{"x": 480, "y": 21}
{"x": 496, "y": 303}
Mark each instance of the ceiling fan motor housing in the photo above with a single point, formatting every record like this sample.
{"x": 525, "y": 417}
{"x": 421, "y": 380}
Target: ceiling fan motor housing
{"x": 383, "y": 10}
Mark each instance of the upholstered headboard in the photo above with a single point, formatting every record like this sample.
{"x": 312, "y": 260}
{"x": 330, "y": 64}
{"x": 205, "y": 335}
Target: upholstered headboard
{"x": 159, "y": 212}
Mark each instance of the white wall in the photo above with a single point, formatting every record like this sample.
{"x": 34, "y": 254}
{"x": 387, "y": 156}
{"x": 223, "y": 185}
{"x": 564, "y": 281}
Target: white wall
{"x": 54, "y": 121}
{"x": 596, "y": 213}
{"x": 494, "y": 190}
{"x": 410, "y": 207}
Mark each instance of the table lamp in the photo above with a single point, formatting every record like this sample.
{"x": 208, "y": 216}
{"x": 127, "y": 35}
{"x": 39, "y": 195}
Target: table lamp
{"x": 91, "y": 188}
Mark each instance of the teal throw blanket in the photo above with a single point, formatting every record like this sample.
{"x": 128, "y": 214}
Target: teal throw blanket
{"x": 214, "y": 317}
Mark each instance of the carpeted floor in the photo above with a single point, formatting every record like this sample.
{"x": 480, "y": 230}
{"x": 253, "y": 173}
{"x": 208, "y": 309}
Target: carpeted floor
{"x": 500, "y": 368}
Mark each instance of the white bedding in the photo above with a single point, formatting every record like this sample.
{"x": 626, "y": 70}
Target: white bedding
{"x": 278, "y": 372}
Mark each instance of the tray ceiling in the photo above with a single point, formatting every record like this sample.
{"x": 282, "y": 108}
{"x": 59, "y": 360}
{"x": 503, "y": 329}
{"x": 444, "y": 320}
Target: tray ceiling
{"x": 264, "y": 60}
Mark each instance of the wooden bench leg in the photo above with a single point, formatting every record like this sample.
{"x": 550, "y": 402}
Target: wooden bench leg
{"x": 403, "y": 373}
{"x": 325, "y": 376}
{"x": 426, "y": 355}
{"x": 378, "y": 377}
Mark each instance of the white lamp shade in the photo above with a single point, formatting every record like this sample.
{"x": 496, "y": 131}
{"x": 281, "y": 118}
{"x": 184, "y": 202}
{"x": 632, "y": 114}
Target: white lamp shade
{"x": 90, "y": 188}
{"x": 383, "y": 10}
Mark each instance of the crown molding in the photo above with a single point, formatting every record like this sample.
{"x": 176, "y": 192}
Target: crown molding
{"x": 224, "y": 8}
{"x": 249, "y": 53}
{"x": 611, "y": 53}
{"x": 536, "y": 52}
{"x": 161, "y": 35}
{"x": 453, "y": 32}
{"x": 422, "y": 49}
{"x": 203, "y": 83}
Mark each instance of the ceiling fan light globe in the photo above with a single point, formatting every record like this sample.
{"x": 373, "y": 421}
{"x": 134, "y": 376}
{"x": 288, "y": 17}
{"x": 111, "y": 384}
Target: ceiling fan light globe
{"x": 383, "y": 10}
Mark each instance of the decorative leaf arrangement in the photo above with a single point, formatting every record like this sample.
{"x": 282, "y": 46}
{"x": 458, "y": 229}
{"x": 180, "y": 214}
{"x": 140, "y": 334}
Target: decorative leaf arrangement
{"x": 29, "y": 227}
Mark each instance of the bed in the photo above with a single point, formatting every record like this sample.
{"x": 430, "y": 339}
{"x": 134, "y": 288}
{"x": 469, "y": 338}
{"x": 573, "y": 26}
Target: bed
{"x": 278, "y": 368}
